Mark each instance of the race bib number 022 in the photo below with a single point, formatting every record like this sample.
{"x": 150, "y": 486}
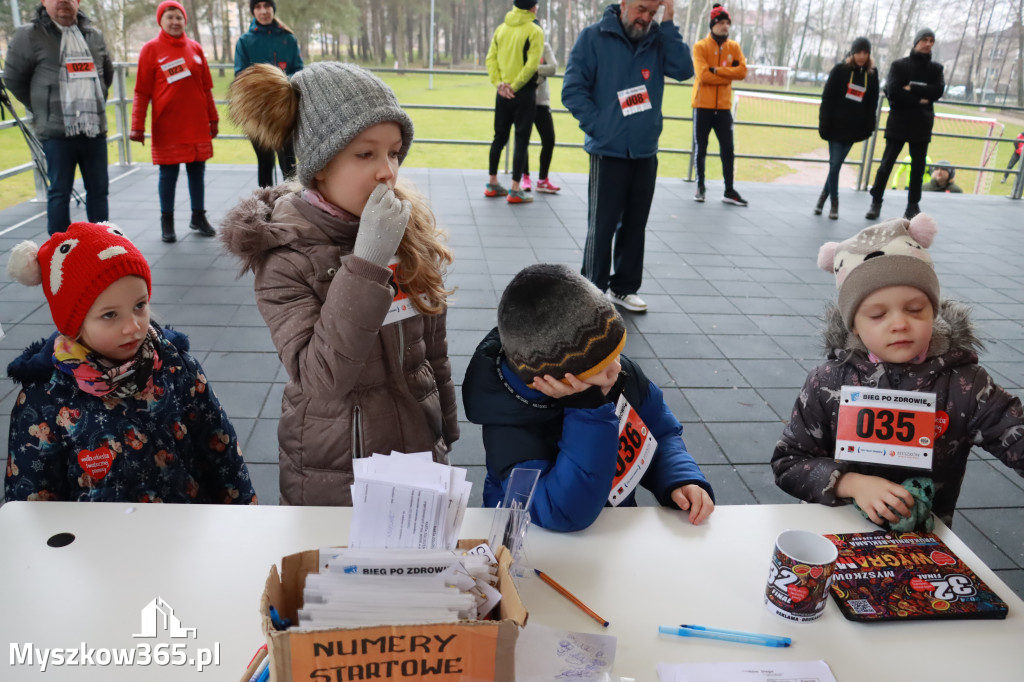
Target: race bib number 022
{"x": 882, "y": 426}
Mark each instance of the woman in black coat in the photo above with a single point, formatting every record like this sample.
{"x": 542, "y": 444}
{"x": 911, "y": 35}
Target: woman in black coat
{"x": 847, "y": 114}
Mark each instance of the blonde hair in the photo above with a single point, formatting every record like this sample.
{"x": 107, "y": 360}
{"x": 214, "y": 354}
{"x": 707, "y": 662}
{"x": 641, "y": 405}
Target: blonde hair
{"x": 423, "y": 255}
{"x": 869, "y": 64}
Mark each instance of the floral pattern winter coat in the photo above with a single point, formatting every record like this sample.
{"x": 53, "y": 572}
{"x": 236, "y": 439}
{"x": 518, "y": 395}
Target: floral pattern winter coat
{"x": 170, "y": 442}
{"x": 980, "y": 412}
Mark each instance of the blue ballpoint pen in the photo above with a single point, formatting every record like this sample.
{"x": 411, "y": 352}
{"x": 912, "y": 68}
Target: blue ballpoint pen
{"x": 723, "y": 636}
{"x": 786, "y": 640}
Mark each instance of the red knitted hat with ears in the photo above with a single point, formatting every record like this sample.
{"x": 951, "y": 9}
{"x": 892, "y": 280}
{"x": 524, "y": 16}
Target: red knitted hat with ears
{"x": 75, "y": 267}
{"x": 169, "y": 4}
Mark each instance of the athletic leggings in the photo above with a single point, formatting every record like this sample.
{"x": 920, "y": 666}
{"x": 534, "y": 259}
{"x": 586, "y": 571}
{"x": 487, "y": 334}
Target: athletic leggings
{"x": 719, "y": 120}
{"x": 517, "y": 111}
{"x": 546, "y": 129}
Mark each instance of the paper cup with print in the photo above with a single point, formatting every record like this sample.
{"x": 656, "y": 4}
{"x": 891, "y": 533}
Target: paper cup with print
{"x": 799, "y": 576}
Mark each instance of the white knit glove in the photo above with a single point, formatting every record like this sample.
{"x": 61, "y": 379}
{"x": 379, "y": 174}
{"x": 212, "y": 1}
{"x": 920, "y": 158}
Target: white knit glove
{"x": 381, "y": 226}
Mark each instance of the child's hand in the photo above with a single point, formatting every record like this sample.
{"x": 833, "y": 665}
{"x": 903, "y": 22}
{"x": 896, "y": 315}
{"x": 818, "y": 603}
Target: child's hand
{"x": 381, "y": 226}
{"x": 694, "y": 499}
{"x": 553, "y": 388}
{"x": 879, "y": 498}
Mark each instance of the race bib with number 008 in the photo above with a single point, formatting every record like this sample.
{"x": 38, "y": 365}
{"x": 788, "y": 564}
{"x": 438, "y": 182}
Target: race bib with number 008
{"x": 634, "y": 100}
{"x": 883, "y": 426}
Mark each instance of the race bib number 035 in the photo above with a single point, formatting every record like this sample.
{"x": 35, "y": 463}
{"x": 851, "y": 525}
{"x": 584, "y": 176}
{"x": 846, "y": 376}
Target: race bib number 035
{"x": 636, "y": 448}
{"x": 881, "y": 426}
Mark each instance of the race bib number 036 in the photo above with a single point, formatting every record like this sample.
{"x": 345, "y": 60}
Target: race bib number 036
{"x": 636, "y": 448}
{"x": 881, "y": 426}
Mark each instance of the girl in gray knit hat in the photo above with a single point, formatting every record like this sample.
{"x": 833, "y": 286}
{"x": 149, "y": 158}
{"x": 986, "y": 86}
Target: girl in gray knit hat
{"x": 349, "y": 269}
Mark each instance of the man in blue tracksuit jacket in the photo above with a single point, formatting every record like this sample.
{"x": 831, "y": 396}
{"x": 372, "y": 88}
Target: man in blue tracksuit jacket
{"x": 554, "y": 323}
{"x": 614, "y": 82}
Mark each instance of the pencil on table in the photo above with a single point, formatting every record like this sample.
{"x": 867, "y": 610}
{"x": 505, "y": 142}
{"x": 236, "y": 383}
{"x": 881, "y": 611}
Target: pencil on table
{"x": 569, "y": 595}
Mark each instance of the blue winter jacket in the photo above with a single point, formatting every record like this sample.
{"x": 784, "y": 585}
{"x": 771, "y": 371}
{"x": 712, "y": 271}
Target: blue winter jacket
{"x": 575, "y": 449}
{"x": 268, "y": 45}
{"x": 603, "y": 62}
{"x": 172, "y": 443}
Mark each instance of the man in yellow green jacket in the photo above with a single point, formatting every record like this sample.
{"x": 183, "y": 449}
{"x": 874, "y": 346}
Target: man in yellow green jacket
{"x": 512, "y": 62}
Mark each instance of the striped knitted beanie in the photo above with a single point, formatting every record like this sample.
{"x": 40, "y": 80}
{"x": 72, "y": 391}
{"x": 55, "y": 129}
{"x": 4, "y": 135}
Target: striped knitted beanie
{"x": 553, "y": 321}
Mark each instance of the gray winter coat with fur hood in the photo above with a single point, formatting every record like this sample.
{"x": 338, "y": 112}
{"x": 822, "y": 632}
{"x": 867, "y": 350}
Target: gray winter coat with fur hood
{"x": 355, "y": 387}
{"x": 980, "y": 412}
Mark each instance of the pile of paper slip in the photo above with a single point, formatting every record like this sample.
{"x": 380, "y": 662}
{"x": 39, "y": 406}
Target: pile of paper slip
{"x": 407, "y": 501}
{"x": 367, "y": 587}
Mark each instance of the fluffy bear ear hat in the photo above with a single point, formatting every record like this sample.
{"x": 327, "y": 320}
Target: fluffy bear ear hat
{"x": 75, "y": 267}
{"x": 322, "y": 108}
{"x": 889, "y": 254}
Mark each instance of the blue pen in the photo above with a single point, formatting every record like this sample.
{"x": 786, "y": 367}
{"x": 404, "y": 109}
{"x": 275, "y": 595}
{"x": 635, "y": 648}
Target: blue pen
{"x": 723, "y": 636}
{"x": 786, "y": 640}
{"x": 265, "y": 675}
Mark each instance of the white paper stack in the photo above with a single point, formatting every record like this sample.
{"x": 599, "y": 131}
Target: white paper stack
{"x": 368, "y": 587}
{"x": 407, "y": 501}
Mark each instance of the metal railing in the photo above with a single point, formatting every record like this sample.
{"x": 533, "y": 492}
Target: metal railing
{"x": 122, "y": 101}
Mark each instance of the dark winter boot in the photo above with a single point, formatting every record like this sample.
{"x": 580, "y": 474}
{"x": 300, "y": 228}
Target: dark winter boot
{"x": 912, "y": 210}
{"x": 201, "y": 225}
{"x": 833, "y": 213}
{"x": 821, "y": 202}
{"x": 167, "y": 228}
{"x": 875, "y": 210}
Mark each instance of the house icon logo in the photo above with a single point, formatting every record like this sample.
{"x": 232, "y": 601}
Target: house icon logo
{"x": 157, "y": 616}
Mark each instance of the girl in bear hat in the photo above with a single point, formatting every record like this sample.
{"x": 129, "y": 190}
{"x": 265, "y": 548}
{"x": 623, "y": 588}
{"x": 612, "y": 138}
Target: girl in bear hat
{"x": 112, "y": 408}
{"x": 349, "y": 270}
{"x": 889, "y": 330}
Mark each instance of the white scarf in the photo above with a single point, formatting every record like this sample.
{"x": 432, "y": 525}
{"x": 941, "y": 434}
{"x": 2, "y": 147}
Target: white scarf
{"x": 81, "y": 95}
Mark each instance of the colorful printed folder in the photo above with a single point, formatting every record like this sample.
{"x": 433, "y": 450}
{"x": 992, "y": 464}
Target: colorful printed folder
{"x": 886, "y": 575}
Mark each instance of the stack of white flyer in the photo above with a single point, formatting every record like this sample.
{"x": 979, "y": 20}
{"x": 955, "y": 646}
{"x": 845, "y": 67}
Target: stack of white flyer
{"x": 369, "y": 587}
{"x": 407, "y": 501}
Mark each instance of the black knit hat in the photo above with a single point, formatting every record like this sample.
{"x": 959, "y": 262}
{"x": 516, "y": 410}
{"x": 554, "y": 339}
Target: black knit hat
{"x": 719, "y": 13}
{"x": 554, "y": 321}
{"x": 860, "y": 44}
{"x": 524, "y": 4}
{"x": 253, "y": 3}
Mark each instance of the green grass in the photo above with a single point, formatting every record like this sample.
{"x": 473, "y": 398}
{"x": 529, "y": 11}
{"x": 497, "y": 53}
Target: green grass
{"x": 477, "y": 91}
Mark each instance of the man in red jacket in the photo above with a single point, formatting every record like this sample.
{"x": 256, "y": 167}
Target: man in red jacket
{"x": 1018, "y": 149}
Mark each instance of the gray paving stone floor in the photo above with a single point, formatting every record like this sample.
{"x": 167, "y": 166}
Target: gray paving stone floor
{"x": 734, "y": 298}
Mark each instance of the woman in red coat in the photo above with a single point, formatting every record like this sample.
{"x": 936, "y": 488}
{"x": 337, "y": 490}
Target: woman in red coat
{"x": 174, "y": 75}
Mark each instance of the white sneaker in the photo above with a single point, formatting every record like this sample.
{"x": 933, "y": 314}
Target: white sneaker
{"x": 629, "y": 302}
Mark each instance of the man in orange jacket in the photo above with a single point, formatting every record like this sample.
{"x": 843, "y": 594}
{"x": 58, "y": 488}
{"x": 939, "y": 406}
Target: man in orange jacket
{"x": 718, "y": 62}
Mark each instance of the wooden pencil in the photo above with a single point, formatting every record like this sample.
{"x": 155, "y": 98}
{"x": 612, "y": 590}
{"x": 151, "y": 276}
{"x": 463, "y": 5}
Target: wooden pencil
{"x": 569, "y": 595}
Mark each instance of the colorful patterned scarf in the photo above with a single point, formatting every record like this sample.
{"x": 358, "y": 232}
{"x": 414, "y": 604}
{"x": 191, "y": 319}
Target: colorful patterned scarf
{"x": 96, "y": 376}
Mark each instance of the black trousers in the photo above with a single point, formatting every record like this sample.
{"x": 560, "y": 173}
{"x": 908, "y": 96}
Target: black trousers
{"x": 1013, "y": 162}
{"x": 518, "y": 111}
{"x": 719, "y": 120}
{"x": 918, "y": 156}
{"x": 620, "y": 194}
{"x": 265, "y": 163}
{"x": 546, "y": 129}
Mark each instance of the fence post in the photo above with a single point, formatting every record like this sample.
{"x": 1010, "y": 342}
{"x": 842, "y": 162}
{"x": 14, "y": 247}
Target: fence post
{"x": 124, "y": 152}
{"x": 1018, "y": 182}
{"x": 870, "y": 149}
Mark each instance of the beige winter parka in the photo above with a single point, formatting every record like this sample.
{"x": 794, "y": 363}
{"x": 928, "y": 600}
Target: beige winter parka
{"x": 354, "y": 387}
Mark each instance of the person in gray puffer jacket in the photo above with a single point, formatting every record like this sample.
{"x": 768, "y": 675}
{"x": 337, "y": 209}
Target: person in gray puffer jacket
{"x": 889, "y": 330}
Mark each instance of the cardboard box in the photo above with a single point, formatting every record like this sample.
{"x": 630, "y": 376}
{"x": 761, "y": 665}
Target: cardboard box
{"x": 441, "y": 652}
